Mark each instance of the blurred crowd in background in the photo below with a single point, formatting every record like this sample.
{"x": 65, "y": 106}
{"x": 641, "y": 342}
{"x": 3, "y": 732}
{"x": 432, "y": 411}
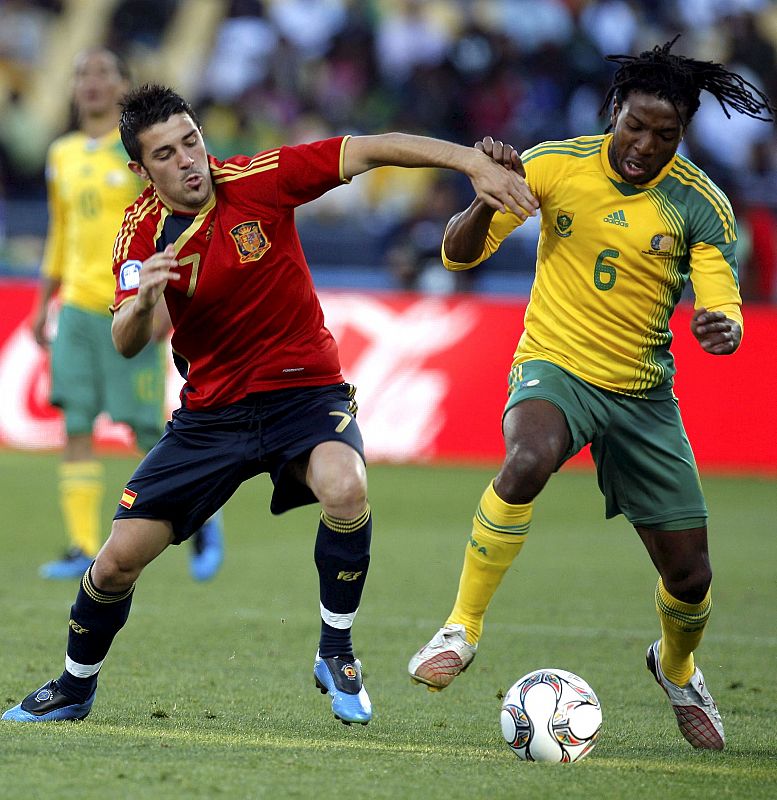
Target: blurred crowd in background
{"x": 264, "y": 73}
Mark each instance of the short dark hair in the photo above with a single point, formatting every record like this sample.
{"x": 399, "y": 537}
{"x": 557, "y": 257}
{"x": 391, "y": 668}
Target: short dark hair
{"x": 145, "y": 106}
{"x": 680, "y": 80}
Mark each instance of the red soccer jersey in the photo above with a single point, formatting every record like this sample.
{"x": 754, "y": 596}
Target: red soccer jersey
{"x": 245, "y": 314}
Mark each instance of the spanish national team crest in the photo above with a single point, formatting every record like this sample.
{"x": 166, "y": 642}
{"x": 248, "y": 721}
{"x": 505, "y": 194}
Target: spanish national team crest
{"x": 563, "y": 226}
{"x": 250, "y": 241}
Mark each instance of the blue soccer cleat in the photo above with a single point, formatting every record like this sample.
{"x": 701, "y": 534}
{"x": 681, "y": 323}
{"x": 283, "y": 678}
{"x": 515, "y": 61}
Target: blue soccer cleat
{"x": 342, "y": 678}
{"x": 48, "y": 704}
{"x": 208, "y": 545}
{"x": 71, "y": 566}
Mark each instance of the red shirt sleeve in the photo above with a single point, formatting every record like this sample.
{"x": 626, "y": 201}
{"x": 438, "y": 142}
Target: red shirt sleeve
{"x": 306, "y": 171}
{"x": 134, "y": 244}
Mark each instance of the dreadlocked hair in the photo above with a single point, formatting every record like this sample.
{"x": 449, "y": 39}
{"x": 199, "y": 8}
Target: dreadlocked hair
{"x": 680, "y": 80}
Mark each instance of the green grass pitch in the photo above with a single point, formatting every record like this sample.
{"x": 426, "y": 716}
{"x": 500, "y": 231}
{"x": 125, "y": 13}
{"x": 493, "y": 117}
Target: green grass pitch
{"x": 208, "y": 691}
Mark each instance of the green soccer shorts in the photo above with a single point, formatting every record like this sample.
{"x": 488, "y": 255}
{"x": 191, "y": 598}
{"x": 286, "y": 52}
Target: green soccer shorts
{"x": 644, "y": 462}
{"x": 88, "y": 376}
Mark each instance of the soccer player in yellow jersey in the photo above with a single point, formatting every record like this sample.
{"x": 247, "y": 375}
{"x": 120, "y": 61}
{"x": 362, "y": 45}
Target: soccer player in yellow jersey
{"x": 625, "y": 222}
{"x": 89, "y": 187}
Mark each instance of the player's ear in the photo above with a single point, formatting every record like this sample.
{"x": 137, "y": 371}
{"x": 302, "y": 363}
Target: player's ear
{"x": 139, "y": 170}
{"x": 616, "y": 109}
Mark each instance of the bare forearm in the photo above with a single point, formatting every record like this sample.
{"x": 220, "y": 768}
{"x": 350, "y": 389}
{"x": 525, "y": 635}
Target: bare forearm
{"x": 466, "y": 233}
{"x": 47, "y": 289}
{"x": 497, "y": 187}
{"x": 363, "y": 153}
{"x": 162, "y": 322}
{"x": 132, "y": 328}
{"x": 140, "y": 319}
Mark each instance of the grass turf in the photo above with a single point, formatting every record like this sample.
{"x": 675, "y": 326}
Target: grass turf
{"x": 208, "y": 691}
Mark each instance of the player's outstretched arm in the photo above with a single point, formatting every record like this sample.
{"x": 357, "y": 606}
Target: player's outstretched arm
{"x": 134, "y": 322}
{"x": 495, "y": 186}
{"x": 715, "y": 332}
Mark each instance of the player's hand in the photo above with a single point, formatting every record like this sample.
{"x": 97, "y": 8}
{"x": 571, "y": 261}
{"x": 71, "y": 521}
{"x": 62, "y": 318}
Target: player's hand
{"x": 499, "y": 180}
{"x": 155, "y": 272}
{"x": 38, "y": 327}
{"x": 715, "y": 332}
{"x": 504, "y": 154}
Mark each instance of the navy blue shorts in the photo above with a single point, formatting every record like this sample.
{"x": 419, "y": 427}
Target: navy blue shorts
{"x": 204, "y": 456}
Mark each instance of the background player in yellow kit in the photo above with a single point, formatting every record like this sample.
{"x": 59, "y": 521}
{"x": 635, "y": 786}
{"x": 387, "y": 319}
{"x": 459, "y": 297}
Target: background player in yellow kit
{"x": 625, "y": 221}
{"x": 89, "y": 186}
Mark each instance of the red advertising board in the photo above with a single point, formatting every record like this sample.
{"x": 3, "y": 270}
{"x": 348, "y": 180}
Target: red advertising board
{"x": 431, "y": 375}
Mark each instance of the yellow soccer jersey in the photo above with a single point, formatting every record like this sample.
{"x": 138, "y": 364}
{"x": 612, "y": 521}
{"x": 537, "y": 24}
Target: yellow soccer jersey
{"x": 89, "y": 186}
{"x": 612, "y": 261}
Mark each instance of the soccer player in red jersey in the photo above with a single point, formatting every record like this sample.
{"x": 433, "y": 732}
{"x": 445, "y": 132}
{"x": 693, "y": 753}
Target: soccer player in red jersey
{"x": 263, "y": 392}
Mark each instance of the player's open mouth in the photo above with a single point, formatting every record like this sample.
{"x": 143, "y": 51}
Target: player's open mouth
{"x": 633, "y": 170}
{"x": 193, "y": 181}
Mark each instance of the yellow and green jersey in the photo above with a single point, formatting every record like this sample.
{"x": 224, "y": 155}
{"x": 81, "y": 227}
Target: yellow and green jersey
{"x": 612, "y": 261}
{"x": 89, "y": 187}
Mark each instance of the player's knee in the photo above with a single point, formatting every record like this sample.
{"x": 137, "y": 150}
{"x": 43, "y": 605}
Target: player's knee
{"x": 524, "y": 472}
{"x": 345, "y": 495}
{"x": 690, "y": 584}
{"x": 114, "y": 572}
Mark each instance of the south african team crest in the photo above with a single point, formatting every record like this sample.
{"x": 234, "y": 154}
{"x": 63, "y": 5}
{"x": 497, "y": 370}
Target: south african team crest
{"x": 250, "y": 240}
{"x": 563, "y": 226}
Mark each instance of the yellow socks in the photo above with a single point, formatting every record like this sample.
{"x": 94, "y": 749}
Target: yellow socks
{"x": 498, "y": 533}
{"x": 81, "y": 489}
{"x": 682, "y": 626}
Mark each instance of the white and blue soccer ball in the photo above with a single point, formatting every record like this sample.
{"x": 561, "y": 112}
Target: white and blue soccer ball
{"x": 551, "y": 715}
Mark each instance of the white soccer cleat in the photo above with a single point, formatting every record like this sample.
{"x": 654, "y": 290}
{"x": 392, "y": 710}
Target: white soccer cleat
{"x": 447, "y": 655}
{"x": 696, "y": 712}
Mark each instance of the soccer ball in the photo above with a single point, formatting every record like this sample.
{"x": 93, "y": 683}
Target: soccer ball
{"x": 551, "y": 715}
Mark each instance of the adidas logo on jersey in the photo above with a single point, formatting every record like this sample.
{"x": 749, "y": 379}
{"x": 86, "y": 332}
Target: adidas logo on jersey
{"x": 617, "y": 218}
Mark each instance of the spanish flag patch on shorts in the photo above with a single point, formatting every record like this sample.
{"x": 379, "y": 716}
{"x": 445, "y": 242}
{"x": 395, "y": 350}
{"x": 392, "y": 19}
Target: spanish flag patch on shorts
{"x": 127, "y": 498}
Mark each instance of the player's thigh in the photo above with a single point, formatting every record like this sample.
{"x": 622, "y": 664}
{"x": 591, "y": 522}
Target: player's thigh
{"x": 581, "y": 405}
{"x": 297, "y": 422}
{"x": 646, "y": 468}
{"x": 135, "y": 389}
{"x": 76, "y": 382}
{"x": 194, "y": 469}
